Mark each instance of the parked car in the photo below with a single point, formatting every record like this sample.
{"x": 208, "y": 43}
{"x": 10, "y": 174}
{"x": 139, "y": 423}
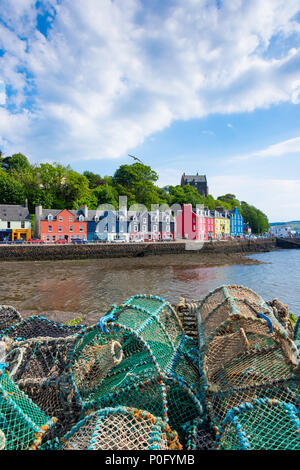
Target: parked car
{"x": 63, "y": 241}
{"x": 79, "y": 241}
{"x": 119, "y": 240}
{"x": 36, "y": 241}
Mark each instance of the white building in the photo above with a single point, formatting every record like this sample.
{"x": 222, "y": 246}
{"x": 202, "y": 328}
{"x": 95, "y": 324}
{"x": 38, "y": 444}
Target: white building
{"x": 281, "y": 231}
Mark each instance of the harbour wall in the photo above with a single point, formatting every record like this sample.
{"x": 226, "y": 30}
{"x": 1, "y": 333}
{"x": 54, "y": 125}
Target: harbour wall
{"x": 113, "y": 250}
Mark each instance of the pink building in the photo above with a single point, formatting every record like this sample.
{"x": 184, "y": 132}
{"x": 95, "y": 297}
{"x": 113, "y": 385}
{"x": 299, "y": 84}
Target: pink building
{"x": 195, "y": 224}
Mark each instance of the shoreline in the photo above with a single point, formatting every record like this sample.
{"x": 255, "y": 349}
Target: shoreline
{"x": 219, "y": 249}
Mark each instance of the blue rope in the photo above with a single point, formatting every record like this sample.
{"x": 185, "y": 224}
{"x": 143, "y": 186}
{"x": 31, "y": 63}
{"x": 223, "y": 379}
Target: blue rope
{"x": 268, "y": 320}
{"x": 104, "y": 320}
{"x": 3, "y": 366}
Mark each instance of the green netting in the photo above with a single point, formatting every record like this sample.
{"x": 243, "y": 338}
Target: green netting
{"x": 263, "y": 424}
{"x": 120, "y": 428}
{"x": 22, "y": 422}
{"x": 138, "y": 357}
{"x": 150, "y": 366}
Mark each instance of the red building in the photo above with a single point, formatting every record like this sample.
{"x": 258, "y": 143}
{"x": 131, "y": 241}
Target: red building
{"x": 53, "y": 224}
{"x": 195, "y": 224}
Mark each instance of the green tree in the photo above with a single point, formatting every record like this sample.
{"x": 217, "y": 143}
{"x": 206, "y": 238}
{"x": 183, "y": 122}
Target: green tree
{"x": 257, "y": 220}
{"x": 17, "y": 162}
{"x": 136, "y": 181}
{"x": 11, "y": 190}
{"x": 94, "y": 179}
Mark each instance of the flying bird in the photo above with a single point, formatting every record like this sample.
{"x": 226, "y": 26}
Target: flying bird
{"x": 135, "y": 158}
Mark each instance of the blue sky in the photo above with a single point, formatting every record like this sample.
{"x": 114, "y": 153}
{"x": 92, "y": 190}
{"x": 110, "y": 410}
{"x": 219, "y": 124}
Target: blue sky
{"x": 196, "y": 86}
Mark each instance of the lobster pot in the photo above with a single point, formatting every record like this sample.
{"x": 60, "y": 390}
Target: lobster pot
{"x": 156, "y": 323}
{"x": 225, "y": 302}
{"x": 263, "y": 424}
{"x": 36, "y": 326}
{"x": 54, "y": 398}
{"x": 121, "y": 428}
{"x": 22, "y": 422}
{"x": 245, "y": 352}
{"x": 93, "y": 363}
{"x": 38, "y": 358}
{"x": 8, "y": 316}
{"x": 219, "y": 402}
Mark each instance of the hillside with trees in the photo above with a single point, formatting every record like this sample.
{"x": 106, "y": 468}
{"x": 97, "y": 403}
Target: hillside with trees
{"x": 57, "y": 186}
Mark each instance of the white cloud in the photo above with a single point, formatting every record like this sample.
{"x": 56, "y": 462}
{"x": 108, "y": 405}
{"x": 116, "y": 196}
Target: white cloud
{"x": 107, "y": 77}
{"x": 276, "y": 150}
{"x": 208, "y": 132}
{"x": 278, "y": 198}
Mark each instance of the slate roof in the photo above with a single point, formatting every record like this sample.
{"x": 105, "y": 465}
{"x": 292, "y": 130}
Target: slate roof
{"x": 14, "y": 213}
{"x": 194, "y": 178}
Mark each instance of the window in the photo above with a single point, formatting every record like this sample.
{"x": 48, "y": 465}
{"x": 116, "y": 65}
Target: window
{"x": 60, "y": 228}
{"x": 48, "y": 238}
{"x": 50, "y": 217}
{"x": 144, "y": 228}
{"x": 81, "y": 218}
{"x": 60, "y": 237}
{"x": 70, "y": 219}
{"x": 154, "y": 228}
{"x": 53, "y": 238}
{"x": 60, "y": 218}
{"x": 22, "y": 224}
{"x": 8, "y": 224}
{"x": 49, "y": 228}
{"x": 144, "y": 220}
{"x": 71, "y": 228}
{"x": 81, "y": 228}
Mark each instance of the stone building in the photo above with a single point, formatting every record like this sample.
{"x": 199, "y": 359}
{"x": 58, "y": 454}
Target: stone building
{"x": 198, "y": 181}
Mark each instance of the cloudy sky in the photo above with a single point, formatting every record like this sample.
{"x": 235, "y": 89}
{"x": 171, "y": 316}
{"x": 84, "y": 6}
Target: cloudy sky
{"x": 187, "y": 85}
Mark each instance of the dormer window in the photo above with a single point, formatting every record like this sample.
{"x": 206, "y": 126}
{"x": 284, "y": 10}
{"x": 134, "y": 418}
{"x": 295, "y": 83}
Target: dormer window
{"x": 81, "y": 218}
{"x": 50, "y": 217}
{"x": 96, "y": 218}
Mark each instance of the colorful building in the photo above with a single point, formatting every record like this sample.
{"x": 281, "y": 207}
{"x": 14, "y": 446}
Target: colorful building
{"x": 151, "y": 225}
{"x": 206, "y": 223}
{"x": 15, "y": 223}
{"x": 236, "y": 223}
{"x": 107, "y": 225}
{"x": 187, "y": 225}
{"x": 53, "y": 225}
{"x": 222, "y": 223}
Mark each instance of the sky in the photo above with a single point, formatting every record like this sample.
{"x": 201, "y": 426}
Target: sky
{"x": 207, "y": 86}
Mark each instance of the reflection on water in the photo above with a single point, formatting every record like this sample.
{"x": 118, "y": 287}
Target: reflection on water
{"x": 64, "y": 289}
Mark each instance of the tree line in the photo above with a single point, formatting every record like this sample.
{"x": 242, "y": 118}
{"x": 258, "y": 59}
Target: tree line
{"x": 57, "y": 186}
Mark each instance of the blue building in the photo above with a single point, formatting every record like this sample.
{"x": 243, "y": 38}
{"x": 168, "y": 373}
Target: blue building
{"x": 236, "y": 223}
{"x": 106, "y": 225}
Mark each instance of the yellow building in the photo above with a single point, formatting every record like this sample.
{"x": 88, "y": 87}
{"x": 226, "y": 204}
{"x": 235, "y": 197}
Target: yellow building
{"x": 222, "y": 225}
{"x": 21, "y": 234}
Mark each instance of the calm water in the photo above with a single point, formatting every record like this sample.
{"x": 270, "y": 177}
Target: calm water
{"x": 64, "y": 289}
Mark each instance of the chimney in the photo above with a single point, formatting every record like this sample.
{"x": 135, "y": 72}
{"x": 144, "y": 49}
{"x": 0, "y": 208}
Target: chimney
{"x": 37, "y": 221}
{"x": 26, "y": 203}
{"x": 85, "y": 211}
